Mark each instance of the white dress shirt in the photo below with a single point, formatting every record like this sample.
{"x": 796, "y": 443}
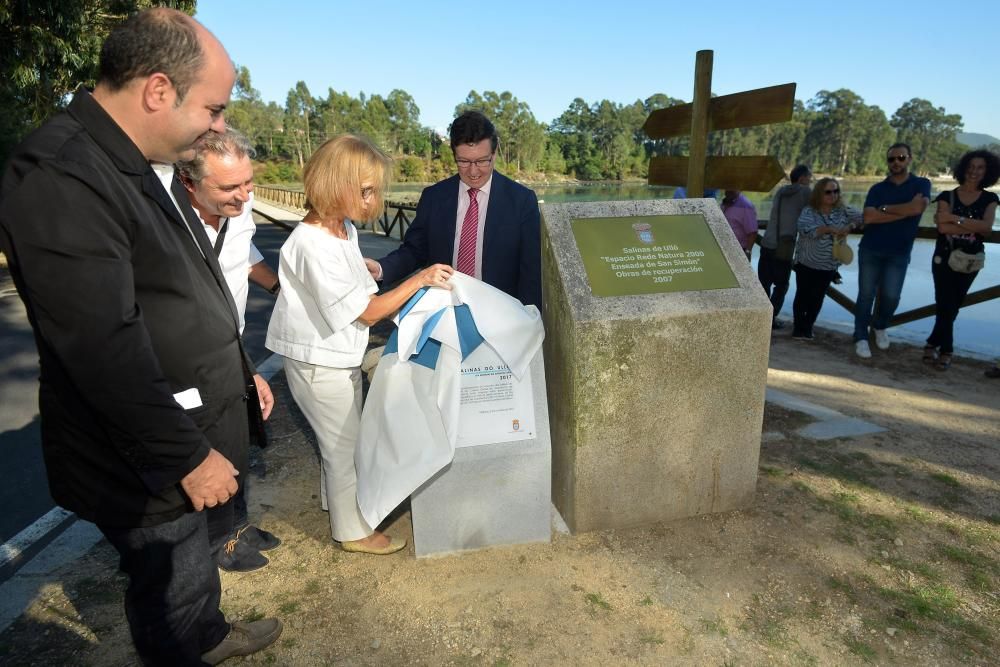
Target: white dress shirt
{"x": 483, "y": 199}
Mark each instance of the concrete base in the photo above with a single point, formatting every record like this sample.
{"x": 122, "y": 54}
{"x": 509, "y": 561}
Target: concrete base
{"x": 656, "y": 400}
{"x": 490, "y": 494}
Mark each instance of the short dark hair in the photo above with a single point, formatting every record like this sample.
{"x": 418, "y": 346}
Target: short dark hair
{"x": 900, "y": 144}
{"x": 156, "y": 40}
{"x": 798, "y": 172}
{"x": 471, "y": 128}
{"x": 992, "y": 167}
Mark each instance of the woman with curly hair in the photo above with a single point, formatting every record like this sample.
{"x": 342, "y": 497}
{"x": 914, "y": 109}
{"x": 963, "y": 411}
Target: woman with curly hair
{"x": 964, "y": 218}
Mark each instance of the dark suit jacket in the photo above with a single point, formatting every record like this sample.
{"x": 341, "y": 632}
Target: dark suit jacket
{"x": 511, "y": 238}
{"x": 126, "y": 312}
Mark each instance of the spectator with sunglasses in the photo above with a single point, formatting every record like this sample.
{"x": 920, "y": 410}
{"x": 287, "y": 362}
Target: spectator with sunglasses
{"x": 823, "y": 221}
{"x": 891, "y": 216}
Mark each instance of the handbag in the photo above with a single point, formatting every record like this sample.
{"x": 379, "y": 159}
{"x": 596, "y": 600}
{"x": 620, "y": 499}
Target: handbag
{"x": 842, "y": 252}
{"x": 962, "y": 261}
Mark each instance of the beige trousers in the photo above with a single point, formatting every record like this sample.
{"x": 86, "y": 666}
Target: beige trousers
{"x": 330, "y": 398}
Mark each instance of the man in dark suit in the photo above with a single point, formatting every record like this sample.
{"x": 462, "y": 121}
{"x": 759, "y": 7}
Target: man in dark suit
{"x": 143, "y": 379}
{"x": 479, "y": 221}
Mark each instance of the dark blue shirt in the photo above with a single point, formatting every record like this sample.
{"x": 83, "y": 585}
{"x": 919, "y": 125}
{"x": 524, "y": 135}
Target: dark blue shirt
{"x": 894, "y": 238}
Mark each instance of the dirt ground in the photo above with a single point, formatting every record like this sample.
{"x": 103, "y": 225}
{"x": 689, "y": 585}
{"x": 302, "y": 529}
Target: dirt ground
{"x": 880, "y": 549}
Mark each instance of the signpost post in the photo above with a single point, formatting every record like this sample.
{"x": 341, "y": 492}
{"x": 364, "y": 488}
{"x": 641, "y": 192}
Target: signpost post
{"x": 705, "y": 114}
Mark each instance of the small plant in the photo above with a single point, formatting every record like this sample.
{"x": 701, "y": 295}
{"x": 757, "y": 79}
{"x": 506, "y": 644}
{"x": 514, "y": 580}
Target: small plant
{"x": 646, "y": 601}
{"x": 596, "y": 600}
{"x": 650, "y": 637}
{"x": 714, "y": 627}
{"x": 252, "y": 615}
{"x": 288, "y": 608}
{"x": 312, "y": 587}
{"x": 860, "y": 649}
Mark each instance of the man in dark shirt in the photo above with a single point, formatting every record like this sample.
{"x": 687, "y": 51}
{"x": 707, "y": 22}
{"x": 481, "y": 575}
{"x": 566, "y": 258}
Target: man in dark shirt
{"x": 143, "y": 378}
{"x": 892, "y": 214}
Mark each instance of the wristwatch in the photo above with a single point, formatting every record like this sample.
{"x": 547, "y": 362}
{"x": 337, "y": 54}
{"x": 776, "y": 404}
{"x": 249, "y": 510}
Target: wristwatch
{"x": 884, "y": 209}
{"x": 275, "y": 288}
{"x": 960, "y": 221}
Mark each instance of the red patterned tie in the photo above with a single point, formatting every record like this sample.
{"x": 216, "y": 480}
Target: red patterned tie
{"x": 467, "y": 243}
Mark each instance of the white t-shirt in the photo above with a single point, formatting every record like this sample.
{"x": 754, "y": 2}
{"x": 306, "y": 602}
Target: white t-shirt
{"x": 238, "y": 254}
{"x": 324, "y": 289}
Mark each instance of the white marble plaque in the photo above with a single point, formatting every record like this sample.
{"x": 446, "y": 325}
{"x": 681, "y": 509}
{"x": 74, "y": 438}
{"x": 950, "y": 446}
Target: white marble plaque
{"x": 495, "y": 406}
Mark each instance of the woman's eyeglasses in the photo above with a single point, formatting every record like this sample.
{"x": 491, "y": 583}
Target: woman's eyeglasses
{"x": 835, "y": 191}
{"x": 366, "y": 193}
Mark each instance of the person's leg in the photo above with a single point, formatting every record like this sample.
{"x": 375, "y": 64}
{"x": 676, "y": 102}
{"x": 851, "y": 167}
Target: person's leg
{"x": 800, "y": 301}
{"x": 781, "y": 274}
{"x": 890, "y": 289}
{"x": 956, "y": 286}
{"x": 172, "y": 600}
{"x": 942, "y": 300}
{"x": 821, "y": 284}
{"x": 813, "y": 283}
{"x": 764, "y": 270}
{"x": 869, "y": 275}
{"x": 330, "y": 399}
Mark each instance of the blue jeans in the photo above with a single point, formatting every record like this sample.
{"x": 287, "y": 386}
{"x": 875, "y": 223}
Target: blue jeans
{"x": 882, "y": 274}
{"x": 172, "y": 600}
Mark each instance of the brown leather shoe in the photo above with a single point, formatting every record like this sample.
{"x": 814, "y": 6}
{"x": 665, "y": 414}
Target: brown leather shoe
{"x": 244, "y": 639}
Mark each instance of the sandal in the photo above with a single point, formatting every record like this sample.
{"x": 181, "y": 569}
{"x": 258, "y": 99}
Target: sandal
{"x": 943, "y": 362}
{"x": 930, "y": 354}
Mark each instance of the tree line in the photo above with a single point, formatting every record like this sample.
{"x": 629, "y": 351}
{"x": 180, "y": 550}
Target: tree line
{"x": 52, "y": 45}
{"x": 835, "y": 132}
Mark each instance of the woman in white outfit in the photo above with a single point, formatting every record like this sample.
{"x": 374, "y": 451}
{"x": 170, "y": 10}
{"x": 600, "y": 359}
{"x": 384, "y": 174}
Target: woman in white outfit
{"x": 321, "y": 319}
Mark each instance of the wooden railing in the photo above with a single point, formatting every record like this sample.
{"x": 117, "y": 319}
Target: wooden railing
{"x": 296, "y": 200}
{"x": 971, "y": 299}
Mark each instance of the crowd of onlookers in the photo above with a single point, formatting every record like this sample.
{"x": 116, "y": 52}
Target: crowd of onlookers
{"x": 807, "y": 229}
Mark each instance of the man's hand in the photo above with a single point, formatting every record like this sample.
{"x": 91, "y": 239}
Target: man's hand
{"x": 374, "y": 268}
{"x": 265, "y": 395}
{"x": 212, "y": 483}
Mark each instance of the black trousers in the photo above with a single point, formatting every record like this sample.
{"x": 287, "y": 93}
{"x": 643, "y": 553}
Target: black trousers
{"x": 172, "y": 600}
{"x": 950, "y": 288}
{"x": 774, "y": 275}
{"x": 810, "y": 290}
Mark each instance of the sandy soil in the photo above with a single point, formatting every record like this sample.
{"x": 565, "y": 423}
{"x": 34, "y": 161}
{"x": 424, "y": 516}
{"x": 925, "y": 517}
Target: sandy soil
{"x": 881, "y": 549}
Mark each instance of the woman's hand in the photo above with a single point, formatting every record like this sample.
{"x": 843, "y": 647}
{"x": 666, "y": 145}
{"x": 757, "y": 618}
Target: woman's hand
{"x": 436, "y": 276}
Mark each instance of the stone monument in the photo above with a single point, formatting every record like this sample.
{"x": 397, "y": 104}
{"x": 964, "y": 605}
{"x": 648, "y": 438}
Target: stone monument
{"x": 656, "y": 353}
{"x": 497, "y": 489}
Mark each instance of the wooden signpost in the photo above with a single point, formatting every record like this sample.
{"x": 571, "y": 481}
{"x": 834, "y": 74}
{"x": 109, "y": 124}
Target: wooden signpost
{"x": 705, "y": 114}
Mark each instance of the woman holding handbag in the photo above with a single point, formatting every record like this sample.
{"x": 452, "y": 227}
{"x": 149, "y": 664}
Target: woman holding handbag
{"x": 822, "y": 226}
{"x": 964, "y": 218}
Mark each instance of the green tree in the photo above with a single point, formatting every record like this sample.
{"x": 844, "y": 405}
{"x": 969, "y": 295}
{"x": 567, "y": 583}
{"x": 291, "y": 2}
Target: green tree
{"x": 49, "y": 48}
{"x": 930, "y": 131}
{"x": 836, "y": 135}
{"x": 300, "y": 115}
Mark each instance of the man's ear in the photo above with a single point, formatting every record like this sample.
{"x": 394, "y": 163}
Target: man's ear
{"x": 186, "y": 182}
{"x": 158, "y": 92}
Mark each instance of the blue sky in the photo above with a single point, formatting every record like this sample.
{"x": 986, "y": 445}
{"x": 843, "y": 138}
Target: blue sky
{"x": 548, "y": 53}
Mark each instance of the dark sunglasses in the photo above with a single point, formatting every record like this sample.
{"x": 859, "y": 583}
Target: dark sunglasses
{"x": 835, "y": 191}
{"x": 897, "y": 158}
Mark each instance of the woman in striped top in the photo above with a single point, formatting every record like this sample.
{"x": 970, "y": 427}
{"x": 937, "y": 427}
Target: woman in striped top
{"x": 824, "y": 220}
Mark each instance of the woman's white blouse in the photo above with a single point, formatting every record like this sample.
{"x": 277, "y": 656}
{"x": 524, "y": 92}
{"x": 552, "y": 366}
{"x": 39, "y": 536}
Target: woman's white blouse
{"x": 324, "y": 289}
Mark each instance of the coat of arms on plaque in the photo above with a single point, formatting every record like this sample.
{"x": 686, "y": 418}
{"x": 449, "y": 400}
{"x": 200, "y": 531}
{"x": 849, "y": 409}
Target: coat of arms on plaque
{"x": 644, "y": 231}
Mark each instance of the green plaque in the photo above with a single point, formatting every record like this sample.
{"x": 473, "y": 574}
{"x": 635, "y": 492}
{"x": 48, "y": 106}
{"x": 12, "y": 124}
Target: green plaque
{"x": 651, "y": 254}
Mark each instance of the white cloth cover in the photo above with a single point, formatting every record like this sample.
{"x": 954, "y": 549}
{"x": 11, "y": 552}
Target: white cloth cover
{"x": 409, "y": 425}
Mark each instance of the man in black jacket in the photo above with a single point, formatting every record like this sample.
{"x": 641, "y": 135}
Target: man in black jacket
{"x": 142, "y": 374}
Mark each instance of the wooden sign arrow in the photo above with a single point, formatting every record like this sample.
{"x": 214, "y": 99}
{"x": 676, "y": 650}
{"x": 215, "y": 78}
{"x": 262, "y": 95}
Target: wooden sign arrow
{"x": 753, "y": 173}
{"x": 753, "y": 107}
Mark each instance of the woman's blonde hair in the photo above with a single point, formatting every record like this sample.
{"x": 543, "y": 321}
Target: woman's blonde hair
{"x": 335, "y": 173}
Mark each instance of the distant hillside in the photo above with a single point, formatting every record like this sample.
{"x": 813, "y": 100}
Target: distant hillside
{"x": 975, "y": 140}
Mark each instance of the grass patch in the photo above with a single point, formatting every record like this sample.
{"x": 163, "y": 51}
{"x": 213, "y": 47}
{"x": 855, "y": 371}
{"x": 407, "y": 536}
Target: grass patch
{"x": 711, "y": 627}
{"x": 288, "y": 608}
{"x": 926, "y": 571}
{"x": 946, "y": 479}
{"x": 650, "y": 637}
{"x": 772, "y": 472}
{"x": 842, "y": 586}
{"x": 595, "y": 600}
{"x": 918, "y": 514}
{"x": 252, "y": 615}
{"x": 860, "y": 649}
{"x": 312, "y": 587}
{"x": 646, "y": 601}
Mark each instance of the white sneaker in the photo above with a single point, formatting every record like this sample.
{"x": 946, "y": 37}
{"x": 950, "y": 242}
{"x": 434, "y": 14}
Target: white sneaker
{"x": 881, "y": 339}
{"x": 862, "y": 350}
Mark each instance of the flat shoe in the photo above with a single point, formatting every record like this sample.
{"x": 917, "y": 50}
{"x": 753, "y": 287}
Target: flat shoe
{"x": 943, "y": 362}
{"x": 391, "y": 548}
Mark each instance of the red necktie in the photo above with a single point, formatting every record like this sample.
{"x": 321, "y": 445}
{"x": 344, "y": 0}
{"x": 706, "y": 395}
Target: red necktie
{"x": 467, "y": 243}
